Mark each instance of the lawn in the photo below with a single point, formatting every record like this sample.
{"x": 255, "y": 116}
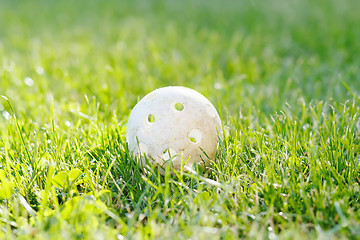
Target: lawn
{"x": 283, "y": 75}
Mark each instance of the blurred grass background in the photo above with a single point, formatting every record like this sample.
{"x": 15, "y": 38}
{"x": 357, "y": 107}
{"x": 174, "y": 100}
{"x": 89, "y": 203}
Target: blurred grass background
{"x": 239, "y": 54}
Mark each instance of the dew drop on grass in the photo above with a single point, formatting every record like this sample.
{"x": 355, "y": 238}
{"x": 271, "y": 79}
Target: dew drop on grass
{"x": 6, "y": 115}
{"x": 28, "y": 81}
{"x": 39, "y": 70}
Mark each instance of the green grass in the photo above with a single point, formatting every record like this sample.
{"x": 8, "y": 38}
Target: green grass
{"x": 284, "y": 76}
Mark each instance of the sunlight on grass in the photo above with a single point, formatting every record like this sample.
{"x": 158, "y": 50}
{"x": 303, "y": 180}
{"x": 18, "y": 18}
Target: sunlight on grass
{"x": 284, "y": 77}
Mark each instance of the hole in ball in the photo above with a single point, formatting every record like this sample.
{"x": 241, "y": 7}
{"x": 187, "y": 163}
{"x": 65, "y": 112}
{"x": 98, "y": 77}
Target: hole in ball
{"x": 179, "y": 106}
{"x": 151, "y": 118}
{"x": 195, "y": 136}
{"x": 168, "y": 154}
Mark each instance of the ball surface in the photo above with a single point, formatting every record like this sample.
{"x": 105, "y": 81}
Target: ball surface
{"x": 174, "y": 125}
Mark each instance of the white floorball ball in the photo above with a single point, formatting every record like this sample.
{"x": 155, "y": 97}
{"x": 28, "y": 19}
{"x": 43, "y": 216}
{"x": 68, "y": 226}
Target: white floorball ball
{"x": 174, "y": 125}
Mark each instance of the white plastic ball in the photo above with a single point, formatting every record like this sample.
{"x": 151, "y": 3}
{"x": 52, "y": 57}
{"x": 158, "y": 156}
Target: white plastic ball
{"x": 174, "y": 125}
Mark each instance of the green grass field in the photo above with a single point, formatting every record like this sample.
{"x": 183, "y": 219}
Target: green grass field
{"x": 284, "y": 76}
